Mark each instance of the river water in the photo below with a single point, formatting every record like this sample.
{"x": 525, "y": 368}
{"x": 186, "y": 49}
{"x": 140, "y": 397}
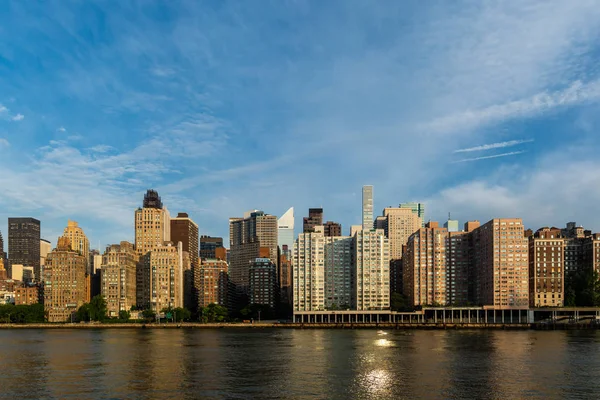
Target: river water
{"x": 298, "y": 364}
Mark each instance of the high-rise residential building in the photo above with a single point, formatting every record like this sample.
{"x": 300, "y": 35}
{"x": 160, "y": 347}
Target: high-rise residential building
{"x": 338, "y": 266}
{"x": 246, "y": 237}
{"x": 501, "y": 264}
{"x": 64, "y": 281}
{"x": 396, "y": 277}
{"x": 285, "y": 230}
{"x": 575, "y": 238}
{"x": 161, "y": 278}
{"x": 185, "y": 230}
{"x": 458, "y": 269}
{"x": 546, "y": 268}
{"x": 424, "y": 266}
{"x": 79, "y": 242}
{"x": 315, "y": 218}
{"x": 209, "y": 246}
{"x": 285, "y": 275}
{"x": 332, "y": 228}
{"x": 367, "y": 207}
{"x": 263, "y": 284}
{"x": 45, "y": 248}
{"x": 591, "y": 251}
{"x": 211, "y": 282}
{"x": 3, "y": 272}
{"x": 371, "y": 280}
{"x": 309, "y": 272}
{"x": 400, "y": 224}
{"x": 417, "y": 208}
{"x": 380, "y": 222}
{"x": 118, "y": 282}
{"x": 152, "y": 224}
{"x": 3, "y": 256}
{"x": 24, "y": 243}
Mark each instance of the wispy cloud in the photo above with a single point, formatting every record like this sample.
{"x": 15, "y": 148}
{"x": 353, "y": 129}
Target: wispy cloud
{"x": 577, "y": 92}
{"x": 513, "y": 153}
{"x": 3, "y": 109}
{"x": 18, "y": 117}
{"x": 101, "y": 148}
{"x": 499, "y": 145}
{"x": 61, "y": 129}
{"x": 4, "y": 143}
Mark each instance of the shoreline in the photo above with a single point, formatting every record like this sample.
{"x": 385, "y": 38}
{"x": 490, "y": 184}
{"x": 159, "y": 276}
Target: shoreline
{"x": 262, "y": 325}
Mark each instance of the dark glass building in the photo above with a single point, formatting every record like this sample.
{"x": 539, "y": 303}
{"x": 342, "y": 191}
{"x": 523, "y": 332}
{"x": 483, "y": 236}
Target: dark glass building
{"x": 24, "y": 243}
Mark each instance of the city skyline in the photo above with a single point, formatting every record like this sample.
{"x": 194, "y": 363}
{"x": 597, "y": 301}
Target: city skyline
{"x": 100, "y": 103}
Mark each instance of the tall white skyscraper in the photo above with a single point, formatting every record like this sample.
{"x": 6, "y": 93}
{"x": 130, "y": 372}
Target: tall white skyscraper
{"x": 285, "y": 230}
{"x": 367, "y": 207}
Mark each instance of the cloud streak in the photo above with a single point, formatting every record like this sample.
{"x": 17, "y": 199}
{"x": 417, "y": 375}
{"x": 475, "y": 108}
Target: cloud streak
{"x": 499, "y": 145}
{"x": 18, "y": 117}
{"x": 512, "y": 153}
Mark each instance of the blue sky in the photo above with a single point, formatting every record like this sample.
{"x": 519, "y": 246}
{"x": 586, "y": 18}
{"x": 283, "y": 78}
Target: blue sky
{"x": 228, "y": 106}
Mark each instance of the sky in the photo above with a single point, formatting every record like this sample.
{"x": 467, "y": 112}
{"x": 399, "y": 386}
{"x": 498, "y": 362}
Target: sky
{"x": 481, "y": 109}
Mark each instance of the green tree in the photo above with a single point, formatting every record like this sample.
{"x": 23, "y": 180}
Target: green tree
{"x": 399, "y": 302}
{"x": 98, "y": 309}
{"x": 124, "y": 315}
{"x": 213, "y": 313}
{"x": 149, "y": 315}
{"x": 177, "y": 314}
{"x": 84, "y": 313}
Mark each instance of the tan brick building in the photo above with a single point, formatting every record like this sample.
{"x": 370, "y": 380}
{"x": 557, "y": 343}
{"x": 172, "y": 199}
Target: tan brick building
{"x": 162, "y": 280}
{"x": 399, "y": 225}
{"x": 118, "y": 285}
{"x": 424, "y": 266}
{"x": 547, "y": 268}
{"x": 27, "y": 295}
{"x": 64, "y": 282}
{"x": 501, "y": 264}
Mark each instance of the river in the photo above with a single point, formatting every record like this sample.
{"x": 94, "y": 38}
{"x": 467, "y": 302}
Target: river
{"x": 298, "y": 364}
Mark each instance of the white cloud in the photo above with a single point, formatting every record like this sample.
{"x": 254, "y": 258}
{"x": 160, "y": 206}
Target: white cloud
{"x": 61, "y": 129}
{"x": 499, "y": 145}
{"x": 101, "y": 148}
{"x": 18, "y": 117}
{"x": 3, "y": 109}
{"x": 576, "y": 93}
{"x": 512, "y": 153}
{"x": 4, "y": 143}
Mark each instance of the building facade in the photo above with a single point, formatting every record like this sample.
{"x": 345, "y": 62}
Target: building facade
{"x": 152, "y": 224}
{"x": 211, "y": 283}
{"x": 27, "y": 295}
{"x": 24, "y": 243}
{"x": 417, "y": 208}
{"x": 64, "y": 282}
{"x": 371, "y": 271}
{"x": 246, "y": 237}
{"x": 400, "y": 224}
{"x": 425, "y": 266}
{"x": 118, "y": 277}
{"x": 45, "y": 248}
{"x": 209, "y": 246}
{"x": 285, "y": 230}
{"x": 185, "y": 230}
{"x": 547, "y": 268}
{"x": 367, "y": 207}
{"x": 162, "y": 278}
{"x": 331, "y": 228}
{"x": 314, "y": 219}
{"x": 264, "y": 287}
{"x": 309, "y": 272}
{"x": 501, "y": 264}
{"x": 79, "y": 243}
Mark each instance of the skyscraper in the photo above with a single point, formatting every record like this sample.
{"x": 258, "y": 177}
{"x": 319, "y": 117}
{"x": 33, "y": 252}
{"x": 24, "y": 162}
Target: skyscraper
{"x": 152, "y": 224}
{"x": 211, "y": 282}
{"x": 417, "y": 208}
{"x": 263, "y": 285}
{"x": 209, "y": 245}
{"x": 400, "y": 224}
{"x": 162, "y": 278}
{"x": 185, "y": 230}
{"x": 315, "y": 218}
{"x": 285, "y": 229}
{"x": 79, "y": 243}
{"x": 332, "y": 228}
{"x": 367, "y": 207}
{"x": 24, "y": 243}
{"x": 424, "y": 266}
{"x": 45, "y": 248}
{"x": 371, "y": 280}
{"x": 119, "y": 264}
{"x": 64, "y": 281}
{"x": 246, "y": 237}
